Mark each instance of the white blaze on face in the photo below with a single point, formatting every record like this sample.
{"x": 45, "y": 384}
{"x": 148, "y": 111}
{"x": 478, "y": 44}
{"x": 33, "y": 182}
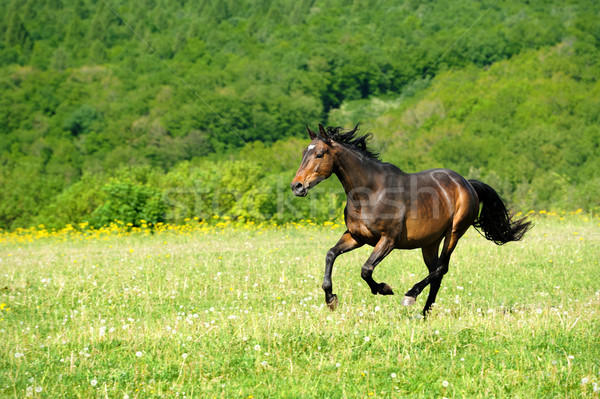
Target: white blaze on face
{"x": 310, "y": 147}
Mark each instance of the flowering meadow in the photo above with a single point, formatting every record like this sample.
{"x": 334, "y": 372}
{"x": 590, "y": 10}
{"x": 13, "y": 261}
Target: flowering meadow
{"x": 227, "y": 309}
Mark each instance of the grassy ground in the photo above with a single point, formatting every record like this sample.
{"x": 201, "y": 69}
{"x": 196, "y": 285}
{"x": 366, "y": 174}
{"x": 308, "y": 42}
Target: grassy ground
{"x": 239, "y": 313}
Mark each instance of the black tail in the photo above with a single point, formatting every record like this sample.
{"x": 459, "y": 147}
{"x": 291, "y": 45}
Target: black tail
{"x": 494, "y": 222}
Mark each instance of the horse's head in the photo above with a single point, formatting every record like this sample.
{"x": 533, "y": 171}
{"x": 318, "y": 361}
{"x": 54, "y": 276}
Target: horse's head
{"x": 317, "y": 163}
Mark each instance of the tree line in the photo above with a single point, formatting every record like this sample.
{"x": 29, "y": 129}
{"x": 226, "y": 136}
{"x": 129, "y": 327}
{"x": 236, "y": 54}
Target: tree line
{"x": 85, "y": 99}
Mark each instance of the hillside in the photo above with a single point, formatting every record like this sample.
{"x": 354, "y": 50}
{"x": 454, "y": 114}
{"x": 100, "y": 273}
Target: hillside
{"x": 528, "y": 126}
{"x": 107, "y": 101}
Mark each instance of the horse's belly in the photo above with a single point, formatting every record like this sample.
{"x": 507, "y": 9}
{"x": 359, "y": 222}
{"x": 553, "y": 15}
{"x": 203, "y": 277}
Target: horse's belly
{"x": 421, "y": 233}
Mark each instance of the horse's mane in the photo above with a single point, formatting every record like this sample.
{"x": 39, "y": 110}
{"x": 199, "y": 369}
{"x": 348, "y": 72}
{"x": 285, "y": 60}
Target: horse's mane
{"x": 352, "y": 139}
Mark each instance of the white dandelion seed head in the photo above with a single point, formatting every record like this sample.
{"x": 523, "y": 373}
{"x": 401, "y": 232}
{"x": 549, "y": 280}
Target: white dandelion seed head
{"x": 445, "y": 384}
{"x": 585, "y": 380}
{"x": 139, "y": 353}
{"x": 93, "y": 383}
{"x": 393, "y": 375}
{"x": 185, "y": 355}
{"x": 256, "y": 347}
{"x": 367, "y": 339}
{"x": 39, "y": 389}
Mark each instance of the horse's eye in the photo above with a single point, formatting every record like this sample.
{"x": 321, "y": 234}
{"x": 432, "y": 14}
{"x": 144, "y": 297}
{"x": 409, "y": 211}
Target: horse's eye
{"x": 319, "y": 155}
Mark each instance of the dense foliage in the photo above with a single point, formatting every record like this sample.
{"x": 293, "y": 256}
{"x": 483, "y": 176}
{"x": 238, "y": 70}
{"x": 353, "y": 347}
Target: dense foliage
{"x": 191, "y": 108}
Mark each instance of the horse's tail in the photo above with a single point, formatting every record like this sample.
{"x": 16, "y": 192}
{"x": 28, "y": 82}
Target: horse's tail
{"x": 495, "y": 222}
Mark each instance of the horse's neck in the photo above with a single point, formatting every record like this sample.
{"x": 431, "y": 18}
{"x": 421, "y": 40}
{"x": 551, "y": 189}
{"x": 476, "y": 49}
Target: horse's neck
{"x": 357, "y": 173}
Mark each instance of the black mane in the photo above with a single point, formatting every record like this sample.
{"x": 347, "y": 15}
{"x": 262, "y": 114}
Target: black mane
{"x": 352, "y": 139}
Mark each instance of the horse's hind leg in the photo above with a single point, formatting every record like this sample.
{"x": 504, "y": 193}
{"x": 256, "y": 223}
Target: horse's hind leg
{"x": 435, "y": 276}
{"x": 431, "y": 258}
{"x": 382, "y": 249}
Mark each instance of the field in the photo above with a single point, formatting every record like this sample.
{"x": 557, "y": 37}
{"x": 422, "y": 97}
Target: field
{"x": 236, "y": 311}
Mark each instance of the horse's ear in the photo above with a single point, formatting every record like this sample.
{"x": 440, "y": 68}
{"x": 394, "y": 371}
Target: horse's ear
{"x": 323, "y": 135}
{"x": 322, "y": 131}
{"x": 312, "y": 134}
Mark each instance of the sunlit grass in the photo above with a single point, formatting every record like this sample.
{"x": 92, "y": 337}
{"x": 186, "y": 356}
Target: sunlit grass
{"x": 224, "y": 309}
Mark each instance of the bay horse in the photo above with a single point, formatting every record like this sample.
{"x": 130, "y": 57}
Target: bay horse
{"x": 389, "y": 209}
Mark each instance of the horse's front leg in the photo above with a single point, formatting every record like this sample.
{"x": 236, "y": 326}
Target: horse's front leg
{"x": 345, "y": 244}
{"x": 382, "y": 249}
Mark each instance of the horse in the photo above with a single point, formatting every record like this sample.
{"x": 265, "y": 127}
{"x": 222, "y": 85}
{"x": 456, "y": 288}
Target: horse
{"x": 389, "y": 209}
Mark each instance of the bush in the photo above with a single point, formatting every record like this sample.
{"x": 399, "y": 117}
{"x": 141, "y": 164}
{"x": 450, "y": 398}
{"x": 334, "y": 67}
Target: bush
{"x": 130, "y": 203}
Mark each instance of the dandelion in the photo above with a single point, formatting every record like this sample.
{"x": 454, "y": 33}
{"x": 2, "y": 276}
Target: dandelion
{"x": 337, "y": 365}
{"x": 264, "y": 363}
{"x": 38, "y": 389}
{"x": 393, "y": 375}
{"x": 93, "y": 382}
{"x": 584, "y": 380}
{"x": 139, "y": 353}
{"x": 367, "y": 339}
{"x": 377, "y": 308}
{"x": 257, "y": 347}
{"x": 445, "y": 384}
{"x": 185, "y": 355}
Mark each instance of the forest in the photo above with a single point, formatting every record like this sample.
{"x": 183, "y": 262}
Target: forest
{"x": 161, "y": 110}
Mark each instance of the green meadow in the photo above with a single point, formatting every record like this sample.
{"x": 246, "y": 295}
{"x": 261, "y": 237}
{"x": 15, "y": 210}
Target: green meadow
{"x": 236, "y": 311}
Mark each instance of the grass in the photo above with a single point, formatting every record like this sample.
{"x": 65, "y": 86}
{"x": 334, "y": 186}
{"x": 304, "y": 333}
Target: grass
{"x": 234, "y": 312}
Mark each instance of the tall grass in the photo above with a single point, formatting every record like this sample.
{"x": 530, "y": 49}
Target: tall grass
{"x": 239, "y": 313}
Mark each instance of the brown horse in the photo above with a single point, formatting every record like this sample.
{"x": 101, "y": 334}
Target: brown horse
{"x": 390, "y": 209}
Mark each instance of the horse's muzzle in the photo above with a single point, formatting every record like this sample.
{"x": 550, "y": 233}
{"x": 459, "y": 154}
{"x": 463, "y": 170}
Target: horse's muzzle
{"x": 299, "y": 189}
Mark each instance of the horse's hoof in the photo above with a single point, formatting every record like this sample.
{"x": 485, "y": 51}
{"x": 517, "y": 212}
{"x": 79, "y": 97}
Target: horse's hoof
{"x": 386, "y": 290}
{"x": 332, "y": 305}
{"x": 408, "y": 301}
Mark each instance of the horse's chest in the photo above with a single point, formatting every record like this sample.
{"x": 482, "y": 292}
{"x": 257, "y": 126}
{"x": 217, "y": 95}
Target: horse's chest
{"x": 363, "y": 227}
